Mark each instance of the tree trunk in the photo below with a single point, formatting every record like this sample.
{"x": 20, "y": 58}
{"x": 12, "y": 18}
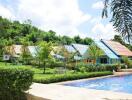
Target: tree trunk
{"x": 39, "y": 61}
{"x": 65, "y": 64}
{"x": 44, "y": 67}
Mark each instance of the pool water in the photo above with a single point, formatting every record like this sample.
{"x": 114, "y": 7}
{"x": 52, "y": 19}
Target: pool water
{"x": 117, "y": 83}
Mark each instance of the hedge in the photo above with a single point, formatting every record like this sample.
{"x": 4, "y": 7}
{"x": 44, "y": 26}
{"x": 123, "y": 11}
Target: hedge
{"x": 98, "y": 68}
{"x": 66, "y": 77}
{"x": 13, "y": 83}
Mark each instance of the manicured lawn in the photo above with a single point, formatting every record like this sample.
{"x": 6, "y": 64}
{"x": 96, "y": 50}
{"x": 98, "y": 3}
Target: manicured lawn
{"x": 52, "y": 76}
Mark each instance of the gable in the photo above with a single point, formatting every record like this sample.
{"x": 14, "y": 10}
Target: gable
{"x": 32, "y": 50}
{"x": 70, "y": 48}
{"x": 106, "y": 50}
{"x": 80, "y": 48}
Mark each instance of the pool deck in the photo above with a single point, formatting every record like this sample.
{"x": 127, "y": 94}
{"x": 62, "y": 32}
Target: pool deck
{"x": 60, "y": 92}
{"x": 57, "y": 91}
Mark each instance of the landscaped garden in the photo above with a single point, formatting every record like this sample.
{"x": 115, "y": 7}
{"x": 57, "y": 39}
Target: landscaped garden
{"x": 58, "y": 74}
{"x": 55, "y": 75}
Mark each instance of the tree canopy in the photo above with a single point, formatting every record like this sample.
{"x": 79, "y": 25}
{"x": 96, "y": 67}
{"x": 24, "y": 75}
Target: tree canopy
{"x": 16, "y": 31}
{"x": 121, "y": 16}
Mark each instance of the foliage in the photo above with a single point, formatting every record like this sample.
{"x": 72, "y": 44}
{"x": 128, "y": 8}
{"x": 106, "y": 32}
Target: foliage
{"x": 127, "y": 61}
{"x": 13, "y": 83}
{"x": 44, "y": 51}
{"x": 54, "y": 64}
{"x": 51, "y": 75}
{"x": 3, "y": 44}
{"x": 66, "y": 77}
{"x": 98, "y": 68}
{"x": 94, "y": 52}
{"x": 121, "y": 16}
{"x": 16, "y": 31}
{"x": 25, "y": 55}
{"x": 68, "y": 56}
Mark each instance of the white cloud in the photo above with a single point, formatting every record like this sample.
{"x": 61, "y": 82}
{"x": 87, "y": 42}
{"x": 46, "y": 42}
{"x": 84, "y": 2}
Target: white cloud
{"x": 62, "y": 16}
{"x": 103, "y": 31}
{"x": 98, "y": 5}
{"x": 102, "y": 28}
{"x": 5, "y": 12}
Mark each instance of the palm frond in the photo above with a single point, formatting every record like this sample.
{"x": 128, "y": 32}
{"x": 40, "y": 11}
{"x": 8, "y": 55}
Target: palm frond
{"x": 121, "y": 16}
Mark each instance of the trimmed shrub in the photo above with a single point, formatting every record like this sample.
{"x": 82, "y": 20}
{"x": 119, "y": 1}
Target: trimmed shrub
{"x": 13, "y": 83}
{"x": 53, "y": 64}
{"x": 98, "y": 68}
{"x": 127, "y": 61}
{"x": 66, "y": 77}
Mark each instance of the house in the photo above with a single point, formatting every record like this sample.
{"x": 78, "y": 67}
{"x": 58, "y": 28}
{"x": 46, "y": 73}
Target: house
{"x": 78, "y": 49}
{"x": 55, "y": 54}
{"x": 113, "y": 51}
{"x": 33, "y": 50}
{"x": 16, "y": 50}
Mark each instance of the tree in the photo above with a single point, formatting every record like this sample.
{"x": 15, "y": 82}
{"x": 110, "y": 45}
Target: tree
{"x": 25, "y": 55}
{"x": 77, "y": 39}
{"x": 66, "y": 40}
{"x": 87, "y": 41}
{"x": 118, "y": 39}
{"x": 15, "y": 31}
{"x": 121, "y": 16}
{"x": 94, "y": 52}
{"x": 3, "y": 44}
{"x": 44, "y": 51}
{"x": 127, "y": 61}
{"x": 68, "y": 56}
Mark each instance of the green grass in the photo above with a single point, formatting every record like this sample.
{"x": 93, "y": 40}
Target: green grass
{"x": 51, "y": 76}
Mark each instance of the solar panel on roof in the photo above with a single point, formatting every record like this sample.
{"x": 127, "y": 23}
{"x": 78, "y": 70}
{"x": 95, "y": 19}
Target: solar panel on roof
{"x": 106, "y": 50}
{"x": 33, "y": 50}
{"x": 77, "y": 57}
{"x": 80, "y": 48}
{"x": 69, "y": 48}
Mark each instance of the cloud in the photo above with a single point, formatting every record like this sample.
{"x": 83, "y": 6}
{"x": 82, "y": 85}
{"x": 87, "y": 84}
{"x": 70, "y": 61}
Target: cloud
{"x": 62, "y": 16}
{"x": 103, "y": 31}
{"x": 98, "y": 5}
{"x": 5, "y": 12}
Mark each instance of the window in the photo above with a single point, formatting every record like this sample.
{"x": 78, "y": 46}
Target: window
{"x": 103, "y": 60}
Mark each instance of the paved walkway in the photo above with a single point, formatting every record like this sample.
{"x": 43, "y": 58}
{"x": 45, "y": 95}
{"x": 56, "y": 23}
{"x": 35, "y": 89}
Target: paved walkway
{"x": 60, "y": 92}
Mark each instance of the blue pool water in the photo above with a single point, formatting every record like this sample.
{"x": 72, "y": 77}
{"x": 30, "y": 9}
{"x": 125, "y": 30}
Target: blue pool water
{"x": 118, "y": 84}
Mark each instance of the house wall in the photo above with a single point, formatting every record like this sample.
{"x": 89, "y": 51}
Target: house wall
{"x": 109, "y": 60}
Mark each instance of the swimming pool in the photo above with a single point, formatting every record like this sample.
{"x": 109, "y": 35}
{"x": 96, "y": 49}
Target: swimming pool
{"x": 116, "y": 83}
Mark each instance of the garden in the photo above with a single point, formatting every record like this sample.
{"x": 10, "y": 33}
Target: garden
{"x": 51, "y": 62}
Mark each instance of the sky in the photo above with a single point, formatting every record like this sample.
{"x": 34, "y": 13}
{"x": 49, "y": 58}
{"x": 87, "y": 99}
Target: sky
{"x": 65, "y": 17}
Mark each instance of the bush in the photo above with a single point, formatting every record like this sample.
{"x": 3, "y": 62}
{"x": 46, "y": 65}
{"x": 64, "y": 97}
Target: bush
{"x": 13, "y": 83}
{"x": 66, "y": 77}
{"x": 98, "y": 68}
{"x": 53, "y": 64}
{"x": 127, "y": 61}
